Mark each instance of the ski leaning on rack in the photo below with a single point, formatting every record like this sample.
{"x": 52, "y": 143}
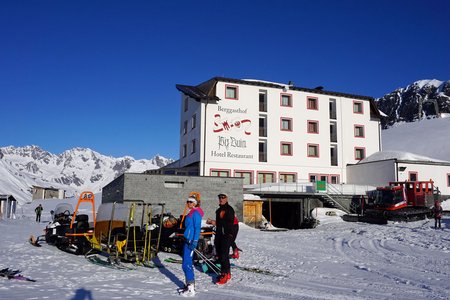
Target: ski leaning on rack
{"x": 206, "y": 268}
{"x": 14, "y": 274}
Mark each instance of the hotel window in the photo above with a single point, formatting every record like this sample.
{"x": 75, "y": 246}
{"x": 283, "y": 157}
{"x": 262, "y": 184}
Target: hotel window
{"x": 184, "y": 151}
{"x": 193, "y": 121}
{"x": 186, "y": 104}
{"x": 334, "y": 179}
{"x": 312, "y": 103}
{"x": 358, "y": 107}
{"x": 313, "y": 126}
{"x": 286, "y": 148}
{"x": 263, "y": 101}
{"x": 264, "y": 177}
{"x": 360, "y": 153}
{"x": 185, "y": 127}
{"x": 413, "y": 176}
{"x": 286, "y": 124}
{"x": 193, "y": 146}
{"x": 263, "y": 126}
{"x": 313, "y": 150}
{"x": 332, "y": 105}
{"x": 287, "y": 177}
{"x": 262, "y": 151}
{"x": 448, "y": 179}
{"x": 312, "y": 177}
{"x": 286, "y": 100}
{"x": 220, "y": 173}
{"x": 247, "y": 176}
{"x": 333, "y": 155}
{"x": 359, "y": 131}
{"x": 231, "y": 92}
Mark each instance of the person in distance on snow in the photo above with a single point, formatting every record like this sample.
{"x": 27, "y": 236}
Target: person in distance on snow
{"x": 224, "y": 237}
{"x": 193, "y": 224}
{"x": 437, "y": 213}
{"x": 38, "y": 210}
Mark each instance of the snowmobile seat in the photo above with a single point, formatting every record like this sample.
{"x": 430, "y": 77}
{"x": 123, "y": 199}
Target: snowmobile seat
{"x": 82, "y": 218}
{"x": 82, "y": 224}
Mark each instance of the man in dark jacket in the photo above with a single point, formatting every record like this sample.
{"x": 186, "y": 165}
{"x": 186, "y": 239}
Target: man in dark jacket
{"x": 38, "y": 210}
{"x": 224, "y": 237}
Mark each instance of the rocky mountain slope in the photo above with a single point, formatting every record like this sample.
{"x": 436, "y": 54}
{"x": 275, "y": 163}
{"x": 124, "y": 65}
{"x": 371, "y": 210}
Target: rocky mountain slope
{"x": 74, "y": 170}
{"x": 419, "y": 100}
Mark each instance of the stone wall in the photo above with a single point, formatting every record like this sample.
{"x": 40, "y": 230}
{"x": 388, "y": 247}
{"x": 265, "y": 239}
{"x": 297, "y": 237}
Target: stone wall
{"x": 173, "y": 190}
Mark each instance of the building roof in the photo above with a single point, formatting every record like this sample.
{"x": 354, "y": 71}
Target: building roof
{"x": 196, "y": 93}
{"x": 402, "y": 157}
{"x": 204, "y": 89}
{"x": 207, "y": 90}
{"x": 6, "y": 197}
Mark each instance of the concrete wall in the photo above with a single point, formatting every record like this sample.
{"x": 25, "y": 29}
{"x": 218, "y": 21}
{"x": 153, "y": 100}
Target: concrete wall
{"x": 377, "y": 173}
{"x": 47, "y": 193}
{"x": 174, "y": 191}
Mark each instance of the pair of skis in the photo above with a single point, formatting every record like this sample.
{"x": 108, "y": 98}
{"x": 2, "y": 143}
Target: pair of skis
{"x": 111, "y": 263}
{"x": 14, "y": 274}
{"x": 206, "y": 268}
{"x": 108, "y": 262}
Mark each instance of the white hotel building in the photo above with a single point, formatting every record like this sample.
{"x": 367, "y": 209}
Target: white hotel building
{"x": 272, "y": 132}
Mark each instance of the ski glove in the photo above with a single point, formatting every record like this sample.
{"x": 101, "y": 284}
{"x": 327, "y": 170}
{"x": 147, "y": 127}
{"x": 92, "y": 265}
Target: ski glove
{"x": 192, "y": 245}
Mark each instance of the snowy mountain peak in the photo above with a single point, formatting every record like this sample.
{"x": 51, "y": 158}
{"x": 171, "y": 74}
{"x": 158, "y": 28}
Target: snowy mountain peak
{"x": 428, "y": 98}
{"x": 427, "y": 83}
{"x": 73, "y": 170}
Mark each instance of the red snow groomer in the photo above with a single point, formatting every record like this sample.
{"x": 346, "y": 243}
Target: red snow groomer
{"x": 402, "y": 201}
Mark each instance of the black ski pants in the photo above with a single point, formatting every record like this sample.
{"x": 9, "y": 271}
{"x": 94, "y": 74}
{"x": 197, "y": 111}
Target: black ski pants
{"x": 437, "y": 223}
{"x": 222, "y": 244}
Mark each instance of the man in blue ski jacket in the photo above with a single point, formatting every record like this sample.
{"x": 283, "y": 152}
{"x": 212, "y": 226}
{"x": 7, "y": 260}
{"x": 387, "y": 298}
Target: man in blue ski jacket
{"x": 193, "y": 224}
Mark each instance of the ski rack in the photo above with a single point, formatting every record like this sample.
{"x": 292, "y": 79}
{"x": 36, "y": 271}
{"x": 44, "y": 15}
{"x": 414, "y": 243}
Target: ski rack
{"x": 136, "y": 230}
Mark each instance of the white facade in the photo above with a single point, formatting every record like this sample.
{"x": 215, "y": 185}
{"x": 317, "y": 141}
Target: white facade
{"x": 286, "y": 137}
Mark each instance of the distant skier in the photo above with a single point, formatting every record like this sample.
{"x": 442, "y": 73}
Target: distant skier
{"x": 437, "y": 212}
{"x": 193, "y": 223}
{"x": 38, "y": 210}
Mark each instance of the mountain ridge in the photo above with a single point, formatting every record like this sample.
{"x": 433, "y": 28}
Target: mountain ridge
{"x": 423, "y": 99}
{"x": 74, "y": 170}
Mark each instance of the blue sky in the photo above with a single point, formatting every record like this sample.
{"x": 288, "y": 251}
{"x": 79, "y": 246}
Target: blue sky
{"x": 102, "y": 74}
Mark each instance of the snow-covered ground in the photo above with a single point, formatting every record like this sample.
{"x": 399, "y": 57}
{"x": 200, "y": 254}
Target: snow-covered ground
{"x": 336, "y": 260}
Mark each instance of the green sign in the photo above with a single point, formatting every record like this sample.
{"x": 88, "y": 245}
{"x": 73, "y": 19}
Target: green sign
{"x": 321, "y": 186}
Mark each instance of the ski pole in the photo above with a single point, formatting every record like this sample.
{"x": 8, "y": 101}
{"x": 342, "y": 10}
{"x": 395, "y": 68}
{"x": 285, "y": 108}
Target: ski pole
{"x": 208, "y": 262}
{"x": 160, "y": 226}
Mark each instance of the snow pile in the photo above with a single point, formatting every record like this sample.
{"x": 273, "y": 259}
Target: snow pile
{"x": 446, "y": 205}
{"x": 327, "y": 215}
{"x": 336, "y": 260}
{"x": 400, "y": 155}
{"x": 426, "y": 138}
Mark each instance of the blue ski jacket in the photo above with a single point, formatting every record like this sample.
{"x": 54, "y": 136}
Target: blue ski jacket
{"x": 193, "y": 224}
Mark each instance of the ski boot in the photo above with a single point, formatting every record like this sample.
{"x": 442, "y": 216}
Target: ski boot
{"x": 223, "y": 278}
{"x": 189, "y": 291}
{"x": 235, "y": 254}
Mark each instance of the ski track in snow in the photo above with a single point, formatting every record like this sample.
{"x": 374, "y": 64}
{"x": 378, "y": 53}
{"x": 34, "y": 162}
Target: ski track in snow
{"x": 333, "y": 261}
